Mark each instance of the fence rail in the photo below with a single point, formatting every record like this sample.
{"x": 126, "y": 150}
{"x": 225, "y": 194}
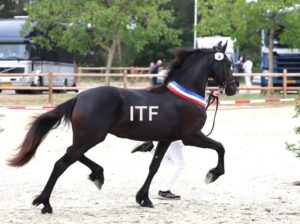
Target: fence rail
{"x": 135, "y": 72}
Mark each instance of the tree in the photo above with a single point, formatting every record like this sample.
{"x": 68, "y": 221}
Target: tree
{"x": 242, "y": 20}
{"x": 164, "y": 49}
{"x": 292, "y": 28}
{"x": 9, "y": 9}
{"x": 184, "y": 20}
{"x": 82, "y": 25}
{"x": 273, "y": 15}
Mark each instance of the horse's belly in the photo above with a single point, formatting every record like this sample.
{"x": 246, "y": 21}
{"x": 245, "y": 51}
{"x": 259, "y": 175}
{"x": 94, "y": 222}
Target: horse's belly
{"x": 144, "y": 132}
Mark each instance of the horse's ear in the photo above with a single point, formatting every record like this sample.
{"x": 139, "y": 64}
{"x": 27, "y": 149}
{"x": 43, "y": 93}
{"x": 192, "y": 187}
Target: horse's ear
{"x": 223, "y": 48}
{"x": 219, "y": 45}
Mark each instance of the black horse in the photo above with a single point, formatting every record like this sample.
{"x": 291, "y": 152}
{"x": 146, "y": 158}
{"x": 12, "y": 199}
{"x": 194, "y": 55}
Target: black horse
{"x": 173, "y": 111}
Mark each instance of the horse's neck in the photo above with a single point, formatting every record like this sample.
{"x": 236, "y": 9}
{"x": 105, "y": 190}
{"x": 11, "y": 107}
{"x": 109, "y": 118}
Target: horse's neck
{"x": 195, "y": 80}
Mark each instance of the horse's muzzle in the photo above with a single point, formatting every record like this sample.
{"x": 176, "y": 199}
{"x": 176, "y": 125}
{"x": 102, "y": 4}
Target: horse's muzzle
{"x": 230, "y": 89}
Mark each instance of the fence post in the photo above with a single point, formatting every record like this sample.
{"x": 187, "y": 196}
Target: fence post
{"x": 284, "y": 83}
{"x": 107, "y": 75}
{"x": 50, "y": 88}
{"x": 125, "y": 79}
{"x": 132, "y": 70}
{"x": 79, "y": 71}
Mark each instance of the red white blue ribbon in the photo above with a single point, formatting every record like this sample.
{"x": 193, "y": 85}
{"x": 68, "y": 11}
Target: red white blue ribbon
{"x": 186, "y": 94}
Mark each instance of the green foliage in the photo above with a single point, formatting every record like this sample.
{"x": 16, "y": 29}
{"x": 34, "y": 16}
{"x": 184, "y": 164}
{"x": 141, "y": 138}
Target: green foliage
{"x": 292, "y": 31}
{"x": 224, "y": 18}
{"x": 293, "y": 147}
{"x": 243, "y": 21}
{"x": 164, "y": 49}
{"x": 84, "y": 25}
{"x": 11, "y": 8}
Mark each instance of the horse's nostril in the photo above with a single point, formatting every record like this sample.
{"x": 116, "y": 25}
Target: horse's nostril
{"x": 230, "y": 90}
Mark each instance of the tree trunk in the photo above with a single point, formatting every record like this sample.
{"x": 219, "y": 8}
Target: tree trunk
{"x": 110, "y": 58}
{"x": 271, "y": 69}
{"x": 119, "y": 47}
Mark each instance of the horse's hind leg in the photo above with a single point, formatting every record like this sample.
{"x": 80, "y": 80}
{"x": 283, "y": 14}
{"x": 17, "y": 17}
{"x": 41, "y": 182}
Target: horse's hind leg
{"x": 201, "y": 140}
{"x": 71, "y": 156}
{"x": 97, "y": 171}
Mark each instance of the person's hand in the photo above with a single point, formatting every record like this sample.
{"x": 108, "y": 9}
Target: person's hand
{"x": 216, "y": 93}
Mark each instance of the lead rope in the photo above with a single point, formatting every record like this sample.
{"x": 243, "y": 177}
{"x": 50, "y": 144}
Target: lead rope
{"x": 211, "y": 99}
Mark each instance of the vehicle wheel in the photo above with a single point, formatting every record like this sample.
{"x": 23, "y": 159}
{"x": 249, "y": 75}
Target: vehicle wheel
{"x": 36, "y": 91}
{"x": 74, "y": 85}
{"x": 65, "y": 85}
{"x": 23, "y": 91}
{"x": 62, "y": 91}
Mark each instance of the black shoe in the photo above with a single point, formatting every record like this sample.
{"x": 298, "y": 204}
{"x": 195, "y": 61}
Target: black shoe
{"x": 145, "y": 147}
{"x": 168, "y": 195}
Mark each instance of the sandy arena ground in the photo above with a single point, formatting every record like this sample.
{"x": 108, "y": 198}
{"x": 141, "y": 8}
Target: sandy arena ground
{"x": 256, "y": 188}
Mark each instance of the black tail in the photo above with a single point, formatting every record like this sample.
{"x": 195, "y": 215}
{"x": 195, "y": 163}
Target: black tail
{"x": 145, "y": 147}
{"x": 39, "y": 129}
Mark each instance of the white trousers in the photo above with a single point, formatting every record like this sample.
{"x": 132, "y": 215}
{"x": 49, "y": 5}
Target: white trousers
{"x": 173, "y": 158}
{"x": 248, "y": 81}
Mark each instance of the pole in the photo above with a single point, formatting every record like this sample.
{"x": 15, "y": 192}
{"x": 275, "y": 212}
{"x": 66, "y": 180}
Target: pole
{"x": 284, "y": 83}
{"x": 125, "y": 83}
{"x": 50, "y": 88}
{"x": 195, "y": 22}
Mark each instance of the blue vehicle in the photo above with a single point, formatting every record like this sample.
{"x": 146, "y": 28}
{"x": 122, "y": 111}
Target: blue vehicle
{"x": 283, "y": 58}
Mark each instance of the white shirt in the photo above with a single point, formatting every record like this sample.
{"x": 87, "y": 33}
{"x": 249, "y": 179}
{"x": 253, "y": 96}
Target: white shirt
{"x": 247, "y": 66}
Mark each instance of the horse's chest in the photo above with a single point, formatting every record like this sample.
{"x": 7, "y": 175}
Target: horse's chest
{"x": 194, "y": 119}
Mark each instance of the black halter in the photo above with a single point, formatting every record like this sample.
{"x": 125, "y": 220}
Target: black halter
{"x": 227, "y": 82}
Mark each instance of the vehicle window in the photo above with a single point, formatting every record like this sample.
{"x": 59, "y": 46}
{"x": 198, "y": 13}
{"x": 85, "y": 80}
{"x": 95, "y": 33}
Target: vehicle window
{"x": 13, "y": 51}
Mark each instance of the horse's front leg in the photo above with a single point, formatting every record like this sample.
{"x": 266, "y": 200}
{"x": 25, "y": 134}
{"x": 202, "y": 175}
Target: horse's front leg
{"x": 142, "y": 196}
{"x": 201, "y": 140}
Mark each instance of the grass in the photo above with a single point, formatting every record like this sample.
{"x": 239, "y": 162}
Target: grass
{"x": 243, "y": 96}
{"x": 34, "y": 100}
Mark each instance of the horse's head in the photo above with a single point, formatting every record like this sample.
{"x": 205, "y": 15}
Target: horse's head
{"x": 220, "y": 70}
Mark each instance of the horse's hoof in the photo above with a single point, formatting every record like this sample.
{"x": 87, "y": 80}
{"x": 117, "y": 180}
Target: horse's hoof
{"x": 98, "y": 184}
{"x": 47, "y": 209}
{"x": 209, "y": 178}
{"x": 143, "y": 200}
{"x": 41, "y": 200}
{"x": 97, "y": 179}
{"x": 213, "y": 175}
{"x": 146, "y": 204}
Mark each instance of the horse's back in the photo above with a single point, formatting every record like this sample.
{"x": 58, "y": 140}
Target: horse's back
{"x": 106, "y": 101}
{"x": 100, "y": 96}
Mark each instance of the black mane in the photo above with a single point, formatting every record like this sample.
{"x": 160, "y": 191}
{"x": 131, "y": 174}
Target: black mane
{"x": 181, "y": 54}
